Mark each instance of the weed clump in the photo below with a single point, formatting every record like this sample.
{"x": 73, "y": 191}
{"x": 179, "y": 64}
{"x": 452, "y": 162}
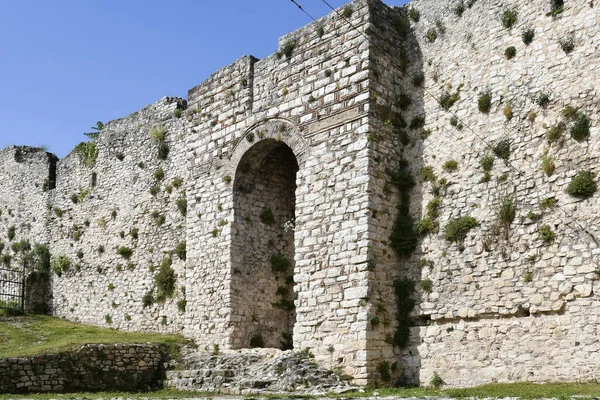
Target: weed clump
{"x": 509, "y": 18}
{"x": 287, "y": 49}
{"x": 582, "y": 185}
{"x": 431, "y": 35}
{"x": 567, "y": 44}
{"x": 543, "y": 100}
{"x": 510, "y": 52}
{"x": 547, "y": 234}
{"x": 484, "y": 102}
{"x": 457, "y": 229}
{"x": 125, "y": 252}
{"x": 527, "y": 36}
{"x": 502, "y": 149}
{"x": 279, "y": 263}
{"x": 403, "y": 289}
{"x": 580, "y": 130}
{"x": 450, "y": 166}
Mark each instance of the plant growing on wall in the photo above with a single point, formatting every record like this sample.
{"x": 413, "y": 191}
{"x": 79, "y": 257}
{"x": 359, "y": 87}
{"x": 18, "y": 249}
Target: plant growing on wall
{"x": 414, "y": 14}
{"x": 543, "y": 100}
{"x": 450, "y": 166}
{"x": 60, "y": 263}
{"x": 182, "y": 205}
{"x": 95, "y": 130}
{"x": 509, "y": 18}
{"x": 403, "y": 289}
{"x": 448, "y": 99}
{"x": 527, "y": 36}
{"x": 164, "y": 280}
{"x": 548, "y": 164}
{"x": 554, "y": 134}
{"x": 546, "y": 234}
{"x": 88, "y": 153}
{"x": 279, "y": 263}
{"x": 428, "y": 174}
{"x": 180, "y": 250}
{"x": 267, "y": 217}
{"x": 159, "y": 174}
{"x": 125, "y": 252}
{"x": 558, "y": 7}
{"x": 580, "y": 130}
{"x": 583, "y": 185}
{"x": 148, "y": 299}
{"x": 404, "y": 237}
{"x": 11, "y": 232}
{"x": 484, "y": 102}
{"x": 506, "y": 212}
{"x": 347, "y": 12}
{"x": 287, "y": 49}
{"x": 567, "y": 44}
{"x": 510, "y": 52}
{"x": 456, "y": 230}
{"x": 502, "y": 149}
{"x": 431, "y": 35}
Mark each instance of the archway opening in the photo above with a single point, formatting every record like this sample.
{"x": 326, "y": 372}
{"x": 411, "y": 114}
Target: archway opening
{"x": 262, "y": 254}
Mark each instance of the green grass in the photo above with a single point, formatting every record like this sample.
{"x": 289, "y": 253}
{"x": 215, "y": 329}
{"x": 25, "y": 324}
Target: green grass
{"x": 33, "y": 335}
{"x": 159, "y": 394}
{"x": 524, "y": 390}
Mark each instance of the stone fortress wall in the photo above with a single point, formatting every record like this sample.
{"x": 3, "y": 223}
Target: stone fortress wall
{"x": 265, "y": 210}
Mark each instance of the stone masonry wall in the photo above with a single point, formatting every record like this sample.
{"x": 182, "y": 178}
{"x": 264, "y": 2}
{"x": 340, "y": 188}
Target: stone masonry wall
{"x": 314, "y": 100}
{"x": 505, "y": 305}
{"x": 27, "y": 175}
{"x": 355, "y": 137}
{"x": 125, "y": 201}
{"x": 120, "y": 367}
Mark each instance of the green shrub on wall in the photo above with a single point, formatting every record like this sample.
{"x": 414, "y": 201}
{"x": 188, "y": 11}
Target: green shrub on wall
{"x": 580, "y": 130}
{"x": 164, "y": 280}
{"x": 404, "y": 236}
{"x": 484, "y": 102}
{"x": 456, "y": 230}
{"x": 583, "y": 185}
{"x": 510, "y": 52}
{"x": 60, "y": 264}
{"x": 528, "y": 35}
{"x": 509, "y": 18}
{"x": 547, "y": 234}
{"x": 88, "y": 153}
{"x": 403, "y": 289}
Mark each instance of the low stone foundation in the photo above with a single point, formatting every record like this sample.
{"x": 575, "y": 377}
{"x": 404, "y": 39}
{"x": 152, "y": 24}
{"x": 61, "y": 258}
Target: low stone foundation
{"x": 94, "y": 367}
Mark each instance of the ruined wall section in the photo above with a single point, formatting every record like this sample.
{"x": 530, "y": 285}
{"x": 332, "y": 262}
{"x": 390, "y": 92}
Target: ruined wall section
{"x": 314, "y": 101}
{"x": 118, "y": 218}
{"x": 27, "y": 175}
{"x": 504, "y": 303}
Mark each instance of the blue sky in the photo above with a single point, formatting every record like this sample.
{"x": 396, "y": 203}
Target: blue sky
{"x": 66, "y": 64}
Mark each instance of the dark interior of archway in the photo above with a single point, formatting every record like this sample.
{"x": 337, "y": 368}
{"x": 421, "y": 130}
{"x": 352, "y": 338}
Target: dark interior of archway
{"x": 263, "y": 247}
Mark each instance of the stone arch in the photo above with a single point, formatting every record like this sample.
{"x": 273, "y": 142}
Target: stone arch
{"x": 262, "y": 248}
{"x": 278, "y": 129}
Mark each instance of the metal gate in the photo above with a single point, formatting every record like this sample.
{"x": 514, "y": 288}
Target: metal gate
{"x": 12, "y": 289}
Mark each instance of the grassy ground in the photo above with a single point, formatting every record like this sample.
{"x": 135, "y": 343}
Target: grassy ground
{"x": 522, "y": 390}
{"x": 32, "y": 335}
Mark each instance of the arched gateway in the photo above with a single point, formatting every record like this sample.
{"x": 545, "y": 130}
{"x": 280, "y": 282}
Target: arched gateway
{"x": 264, "y": 165}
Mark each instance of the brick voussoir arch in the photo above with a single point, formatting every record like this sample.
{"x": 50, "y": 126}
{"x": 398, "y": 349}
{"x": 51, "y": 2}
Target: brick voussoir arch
{"x": 279, "y": 129}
